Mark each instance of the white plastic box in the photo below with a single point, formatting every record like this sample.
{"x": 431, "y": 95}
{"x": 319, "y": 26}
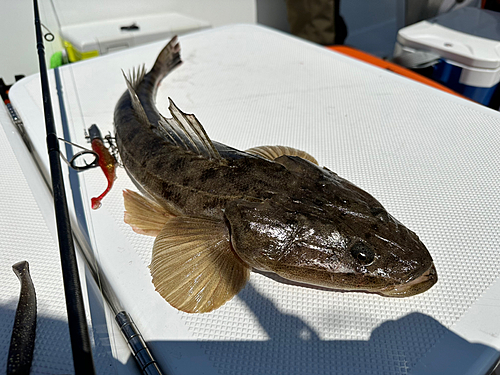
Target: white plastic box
{"x": 97, "y": 38}
{"x": 466, "y": 43}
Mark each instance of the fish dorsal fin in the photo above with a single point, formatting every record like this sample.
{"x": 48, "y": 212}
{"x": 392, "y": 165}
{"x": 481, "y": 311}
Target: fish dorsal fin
{"x": 136, "y": 76}
{"x": 274, "y": 152}
{"x": 193, "y": 265}
{"x": 144, "y": 215}
{"x": 186, "y": 131}
{"x": 132, "y": 82}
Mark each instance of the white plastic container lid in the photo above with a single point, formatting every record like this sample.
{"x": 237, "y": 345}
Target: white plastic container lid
{"x": 108, "y": 36}
{"x": 466, "y": 49}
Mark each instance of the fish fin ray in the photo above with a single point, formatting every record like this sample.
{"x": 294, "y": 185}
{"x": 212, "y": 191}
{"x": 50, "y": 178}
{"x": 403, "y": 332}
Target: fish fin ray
{"x": 274, "y": 152}
{"x": 190, "y": 133}
{"x": 136, "y": 103}
{"x": 194, "y": 267}
{"x": 135, "y": 76}
{"x": 162, "y": 127}
{"x": 144, "y": 215}
{"x": 168, "y": 126}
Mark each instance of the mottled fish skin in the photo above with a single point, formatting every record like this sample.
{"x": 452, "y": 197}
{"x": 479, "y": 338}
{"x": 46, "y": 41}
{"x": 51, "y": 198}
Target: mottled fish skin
{"x": 287, "y": 215}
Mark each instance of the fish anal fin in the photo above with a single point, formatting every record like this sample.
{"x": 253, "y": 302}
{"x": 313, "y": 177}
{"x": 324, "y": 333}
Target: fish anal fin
{"x": 193, "y": 265}
{"x": 144, "y": 215}
{"x": 274, "y": 152}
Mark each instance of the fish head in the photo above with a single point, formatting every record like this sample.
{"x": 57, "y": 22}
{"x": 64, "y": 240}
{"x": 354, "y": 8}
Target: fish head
{"x": 330, "y": 233}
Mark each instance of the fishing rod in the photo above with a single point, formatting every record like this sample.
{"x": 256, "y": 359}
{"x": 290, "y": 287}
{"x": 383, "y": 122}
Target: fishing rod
{"x": 83, "y": 361}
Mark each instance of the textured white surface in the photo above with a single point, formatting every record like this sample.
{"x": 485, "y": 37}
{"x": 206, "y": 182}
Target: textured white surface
{"x": 430, "y": 158}
{"x": 25, "y": 235}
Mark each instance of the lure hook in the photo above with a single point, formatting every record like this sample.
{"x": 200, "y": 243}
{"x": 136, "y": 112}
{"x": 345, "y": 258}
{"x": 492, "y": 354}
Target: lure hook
{"x": 113, "y": 149}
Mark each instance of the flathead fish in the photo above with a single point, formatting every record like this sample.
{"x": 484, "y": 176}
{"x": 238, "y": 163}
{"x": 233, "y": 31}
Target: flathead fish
{"x": 218, "y": 212}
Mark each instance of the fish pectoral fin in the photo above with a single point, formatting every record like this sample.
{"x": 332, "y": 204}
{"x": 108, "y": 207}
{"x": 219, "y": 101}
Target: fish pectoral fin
{"x": 274, "y": 152}
{"x": 193, "y": 265}
{"x": 144, "y": 215}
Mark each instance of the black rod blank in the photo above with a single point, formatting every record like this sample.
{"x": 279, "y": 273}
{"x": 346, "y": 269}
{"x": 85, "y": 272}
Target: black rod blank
{"x": 80, "y": 340}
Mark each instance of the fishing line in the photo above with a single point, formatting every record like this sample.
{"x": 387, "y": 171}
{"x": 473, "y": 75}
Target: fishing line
{"x": 55, "y": 14}
{"x": 82, "y": 233}
{"x": 79, "y": 155}
{"x": 80, "y": 339}
{"x": 48, "y": 36}
{"x": 128, "y": 329}
{"x": 90, "y": 253}
{"x": 79, "y": 189}
{"x": 92, "y": 256}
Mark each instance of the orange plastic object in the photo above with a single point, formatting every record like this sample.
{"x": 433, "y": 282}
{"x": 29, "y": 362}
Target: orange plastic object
{"x": 370, "y": 59}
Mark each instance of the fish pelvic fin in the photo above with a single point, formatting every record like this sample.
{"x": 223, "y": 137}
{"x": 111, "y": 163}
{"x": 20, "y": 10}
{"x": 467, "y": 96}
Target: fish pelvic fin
{"x": 144, "y": 215}
{"x": 189, "y": 133}
{"x": 274, "y": 152}
{"x": 193, "y": 265}
{"x": 136, "y": 103}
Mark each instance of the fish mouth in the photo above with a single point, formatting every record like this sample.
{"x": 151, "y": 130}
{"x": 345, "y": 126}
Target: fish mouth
{"x": 413, "y": 287}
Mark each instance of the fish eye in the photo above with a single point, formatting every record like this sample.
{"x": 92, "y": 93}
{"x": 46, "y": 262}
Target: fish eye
{"x": 362, "y": 253}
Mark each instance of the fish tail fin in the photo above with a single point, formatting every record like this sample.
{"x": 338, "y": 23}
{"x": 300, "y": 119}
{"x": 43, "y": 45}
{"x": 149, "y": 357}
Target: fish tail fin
{"x": 167, "y": 60}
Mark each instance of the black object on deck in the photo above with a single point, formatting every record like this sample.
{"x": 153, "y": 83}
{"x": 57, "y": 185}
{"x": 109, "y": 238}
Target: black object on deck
{"x": 22, "y": 342}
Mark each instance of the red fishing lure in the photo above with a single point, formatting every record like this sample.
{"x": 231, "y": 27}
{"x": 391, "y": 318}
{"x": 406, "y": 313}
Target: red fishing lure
{"x": 107, "y": 162}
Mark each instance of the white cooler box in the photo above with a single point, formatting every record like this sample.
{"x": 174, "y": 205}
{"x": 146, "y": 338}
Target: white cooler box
{"x": 92, "y": 39}
{"x": 463, "y": 48}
